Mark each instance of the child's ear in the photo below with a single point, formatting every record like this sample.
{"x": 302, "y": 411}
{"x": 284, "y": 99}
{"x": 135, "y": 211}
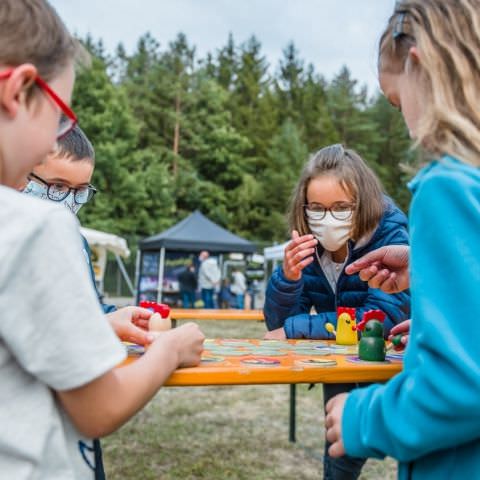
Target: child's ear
{"x": 414, "y": 55}
{"x": 15, "y": 88}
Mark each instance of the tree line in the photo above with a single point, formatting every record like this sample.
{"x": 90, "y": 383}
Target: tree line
{"x": 226, "y": 134}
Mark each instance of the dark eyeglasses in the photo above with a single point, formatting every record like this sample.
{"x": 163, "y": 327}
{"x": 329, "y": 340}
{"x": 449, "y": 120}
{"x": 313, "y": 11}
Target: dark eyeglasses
{"x": 58, "y": 191}
{"x": 68, "y": 119}
{"x": 339, "y": 211}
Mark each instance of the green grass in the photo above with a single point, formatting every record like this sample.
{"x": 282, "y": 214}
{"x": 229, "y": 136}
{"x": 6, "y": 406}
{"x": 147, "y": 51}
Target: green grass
{"x": 220, "y": 433}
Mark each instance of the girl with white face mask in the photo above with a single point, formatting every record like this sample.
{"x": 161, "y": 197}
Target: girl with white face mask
{"x": 338, "y": 213}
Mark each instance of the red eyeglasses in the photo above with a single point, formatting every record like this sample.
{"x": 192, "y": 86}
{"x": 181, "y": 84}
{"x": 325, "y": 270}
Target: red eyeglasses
{"x": 68, "y": 119}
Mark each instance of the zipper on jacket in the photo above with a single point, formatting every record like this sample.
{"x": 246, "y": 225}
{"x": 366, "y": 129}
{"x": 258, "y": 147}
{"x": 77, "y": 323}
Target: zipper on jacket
{"x": 349, "y": 255}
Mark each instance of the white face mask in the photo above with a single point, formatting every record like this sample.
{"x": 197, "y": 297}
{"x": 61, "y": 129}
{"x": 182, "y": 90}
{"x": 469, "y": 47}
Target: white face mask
{"x": 40, "y": 191}
{"x": 330, "y": 232}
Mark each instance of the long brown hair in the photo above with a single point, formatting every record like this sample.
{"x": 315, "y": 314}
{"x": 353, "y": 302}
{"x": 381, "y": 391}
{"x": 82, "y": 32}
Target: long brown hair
{"x": 355, "y": 177}
{"x": 447, "y": 36}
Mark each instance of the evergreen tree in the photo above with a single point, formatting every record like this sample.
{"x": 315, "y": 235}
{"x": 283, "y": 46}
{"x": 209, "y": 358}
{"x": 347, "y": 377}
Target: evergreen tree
{"x": 120, "y": 174}
{"x": 393, "y": 150}
{"x": 222, "y": 134}
{"x": 227, "y": 64}
{"x": 287, "y": 155}
{"x": 347, "y": 106}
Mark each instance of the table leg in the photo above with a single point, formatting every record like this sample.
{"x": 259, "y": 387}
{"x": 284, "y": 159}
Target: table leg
{"x": 293, "y": 399}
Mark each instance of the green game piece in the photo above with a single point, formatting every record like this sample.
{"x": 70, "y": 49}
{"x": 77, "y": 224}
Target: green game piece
{"x": 372, "y": 345}
{"x": 397, "y": 340}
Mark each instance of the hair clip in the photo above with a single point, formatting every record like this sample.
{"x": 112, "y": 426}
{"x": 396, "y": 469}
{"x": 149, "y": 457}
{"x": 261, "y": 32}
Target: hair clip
{"x": 398, "y": 30}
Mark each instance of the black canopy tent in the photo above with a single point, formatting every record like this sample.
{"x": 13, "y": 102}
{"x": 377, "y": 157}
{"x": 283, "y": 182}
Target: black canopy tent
{"x": 193, "y": 234}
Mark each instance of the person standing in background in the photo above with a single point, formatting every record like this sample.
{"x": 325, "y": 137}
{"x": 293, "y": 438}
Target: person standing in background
{"x": 188, "y": 285}
{"x": 208, "y": 278}
{"x": 239, "y": 287}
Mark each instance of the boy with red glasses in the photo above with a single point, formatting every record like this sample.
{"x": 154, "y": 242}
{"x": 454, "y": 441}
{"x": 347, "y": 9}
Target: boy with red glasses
{"x": 60, "y": 387}
{"x": 68, "y": 119}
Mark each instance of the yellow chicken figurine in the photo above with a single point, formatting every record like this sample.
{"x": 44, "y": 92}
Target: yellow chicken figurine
{"x": 346, "y": 333}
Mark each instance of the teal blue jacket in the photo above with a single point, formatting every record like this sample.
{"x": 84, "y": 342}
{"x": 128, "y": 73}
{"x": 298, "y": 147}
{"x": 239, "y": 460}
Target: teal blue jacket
{"x": 428, "y": 416}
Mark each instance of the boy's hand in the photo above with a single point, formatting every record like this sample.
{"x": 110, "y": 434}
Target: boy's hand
{"x": 333, "y": 424}
{"x": 277, "y": 334}
{"x": 385, "y": 268}
{"x": 298, "y": 254}
{"x": 131, "y": 324}
{"x": 186, "y": 341}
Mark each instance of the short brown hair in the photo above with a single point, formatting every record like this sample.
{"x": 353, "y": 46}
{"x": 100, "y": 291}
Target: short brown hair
{"x": 354, "y": 176}
{"x": 32, "y": 32}
{"x": 75, "y": 146}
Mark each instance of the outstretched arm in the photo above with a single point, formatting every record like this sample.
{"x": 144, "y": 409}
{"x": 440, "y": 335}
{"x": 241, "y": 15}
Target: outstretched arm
{"x": 385, "y": 268}
{"x": 103, "y": 405}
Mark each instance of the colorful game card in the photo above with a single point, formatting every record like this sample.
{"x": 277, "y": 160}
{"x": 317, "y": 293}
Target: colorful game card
{"x": 231, "y": 352}
{"x": 316, "y": 362}
{"x": 269, "y": 352}
{"x": 365, "y": 362}
{"x": 235, "y": 344}
{"x": 312, "y": 343}
{"x": 262, "y": 362}
{"x": 343, "y": 349}
{"x": 134, "y": 349}
{"x": 212, "y": 359}
{"x": 312, "y": 351}
{"x": 395, "y": 357}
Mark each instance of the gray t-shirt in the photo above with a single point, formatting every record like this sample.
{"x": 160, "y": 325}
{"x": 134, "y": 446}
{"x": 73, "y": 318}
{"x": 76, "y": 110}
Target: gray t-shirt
{"x": 53, "y": 337}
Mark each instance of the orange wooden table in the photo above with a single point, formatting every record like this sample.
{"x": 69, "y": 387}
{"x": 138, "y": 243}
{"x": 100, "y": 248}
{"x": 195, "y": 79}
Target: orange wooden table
{"x": 233, "y": 370}
{"x": 214, "y": 314}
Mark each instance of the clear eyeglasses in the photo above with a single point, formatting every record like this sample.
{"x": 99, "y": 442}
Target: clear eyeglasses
{"x": 58, "y": 192}
{"x": 339, "y": 211}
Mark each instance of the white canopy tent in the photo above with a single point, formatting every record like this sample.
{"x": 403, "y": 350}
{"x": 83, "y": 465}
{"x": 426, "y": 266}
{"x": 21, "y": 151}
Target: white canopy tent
{"x": 273, "y": 256}
{"x": 275, "y": 253}
{"x": 101, "y": 243}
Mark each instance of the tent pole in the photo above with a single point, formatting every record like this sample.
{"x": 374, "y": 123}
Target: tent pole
{"x": 121, "y": 266}
{"x": 137, "y": 268}
{"x": 161, "y": 266}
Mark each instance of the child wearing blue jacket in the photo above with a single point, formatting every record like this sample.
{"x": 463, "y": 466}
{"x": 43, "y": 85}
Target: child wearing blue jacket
{"x": 427, "y": 416}
{"x": 338, "y": 214}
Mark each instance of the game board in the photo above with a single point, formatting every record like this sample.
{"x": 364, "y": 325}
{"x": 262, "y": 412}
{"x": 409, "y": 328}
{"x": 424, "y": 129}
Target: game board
{"x": 253, "y": 361}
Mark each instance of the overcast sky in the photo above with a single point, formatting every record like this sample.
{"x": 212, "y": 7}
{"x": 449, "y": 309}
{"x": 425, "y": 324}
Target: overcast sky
{"x": 328, "y": 33}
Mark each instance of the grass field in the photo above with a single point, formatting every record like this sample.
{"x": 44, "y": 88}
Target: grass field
{"x": 223, "y": 433}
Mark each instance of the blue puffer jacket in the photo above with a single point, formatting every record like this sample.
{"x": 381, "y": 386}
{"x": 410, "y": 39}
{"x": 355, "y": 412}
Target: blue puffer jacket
{"x": 288, "y": 304}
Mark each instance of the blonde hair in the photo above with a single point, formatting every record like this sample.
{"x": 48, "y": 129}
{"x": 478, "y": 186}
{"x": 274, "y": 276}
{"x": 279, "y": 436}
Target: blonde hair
{"x": 446, "y": 34}
{"x": 355, "y": 177}
{"x": 32, "y": 32}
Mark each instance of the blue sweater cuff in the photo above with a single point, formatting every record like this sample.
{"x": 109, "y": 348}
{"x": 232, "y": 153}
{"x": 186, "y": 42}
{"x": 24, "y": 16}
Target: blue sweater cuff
{"x": 352, "y": 423}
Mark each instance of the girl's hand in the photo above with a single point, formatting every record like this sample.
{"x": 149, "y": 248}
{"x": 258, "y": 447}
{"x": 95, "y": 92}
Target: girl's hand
{"x": 401, "y": 328}
{"x": 333, "y": 424}
{"x": 278, "y": 334}
{"x": 298, "y": 254}
{"x": 131, "y": 324}
{"x": 385, "y": 268}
